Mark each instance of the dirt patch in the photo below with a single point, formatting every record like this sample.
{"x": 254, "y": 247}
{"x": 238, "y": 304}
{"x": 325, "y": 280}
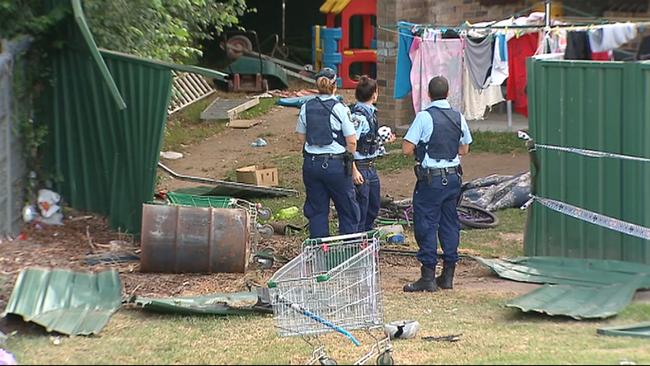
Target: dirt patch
{"x": 399, "y": 184}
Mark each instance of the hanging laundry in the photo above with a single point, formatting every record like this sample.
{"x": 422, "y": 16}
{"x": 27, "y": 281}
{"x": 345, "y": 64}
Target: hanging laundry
{"x": 577, "y": 47}
{"x": 500, "y": 60}
{"x": 476, "y": 101}
{"x": 519, "y": 49}
{"x": 478, "y": 59}
{"x": 433, "y": 56}
{"x": 611, "y": 36}
{"x": 601, "y": 56}
{"x": 403, "y": 66}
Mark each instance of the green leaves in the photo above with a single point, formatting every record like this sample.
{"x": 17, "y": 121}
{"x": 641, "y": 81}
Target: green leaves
{"x": 164, "y": 29}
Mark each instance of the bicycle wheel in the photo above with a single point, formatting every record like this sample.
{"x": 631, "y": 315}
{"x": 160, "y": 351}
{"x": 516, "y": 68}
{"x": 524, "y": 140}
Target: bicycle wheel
{"x": 475, "y": 217}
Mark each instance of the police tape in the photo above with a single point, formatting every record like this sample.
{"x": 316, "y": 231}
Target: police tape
{"x": 595, "y": 218}
{"x": 592, "y": 153}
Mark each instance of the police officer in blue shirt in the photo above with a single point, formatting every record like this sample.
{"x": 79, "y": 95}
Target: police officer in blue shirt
{"x": 364, "y": 175}
{"x": 329, "y": 139}
{"x": 437, "y": 137}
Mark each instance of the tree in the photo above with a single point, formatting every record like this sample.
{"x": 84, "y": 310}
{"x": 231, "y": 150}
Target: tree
{"x": 162, "y": 29}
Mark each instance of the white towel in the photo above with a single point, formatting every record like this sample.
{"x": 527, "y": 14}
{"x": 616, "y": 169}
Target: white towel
{"x": 611, "y": 36}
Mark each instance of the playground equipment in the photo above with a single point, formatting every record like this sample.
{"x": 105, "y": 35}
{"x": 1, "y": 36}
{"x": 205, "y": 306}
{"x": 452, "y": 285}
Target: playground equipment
{"x": 335, "y": 47}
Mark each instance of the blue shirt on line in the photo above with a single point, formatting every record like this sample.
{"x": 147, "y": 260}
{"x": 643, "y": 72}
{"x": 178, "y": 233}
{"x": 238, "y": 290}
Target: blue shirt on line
{"x": 342, "y": 112}
{"x": 363, "y": 126}
{"x": 422, "y": 128}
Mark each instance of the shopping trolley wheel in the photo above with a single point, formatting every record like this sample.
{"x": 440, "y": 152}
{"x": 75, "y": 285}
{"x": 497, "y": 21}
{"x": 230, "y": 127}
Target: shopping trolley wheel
{"x": 264, "y": 213}
{"x": 266, "y": 231}
{"x": 385, "y": 359}
{"x": 327, "y": 361}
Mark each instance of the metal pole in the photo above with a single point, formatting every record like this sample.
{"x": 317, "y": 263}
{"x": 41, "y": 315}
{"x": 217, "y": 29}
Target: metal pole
{"x": 284, "y": 7}
{"x": 509, "y": 111}
{"x": 547, "y": 13}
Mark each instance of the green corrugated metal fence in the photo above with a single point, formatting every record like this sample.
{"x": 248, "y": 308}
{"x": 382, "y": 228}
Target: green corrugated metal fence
{"x": 106, "y": 114}
{"x": 599, "y": 106}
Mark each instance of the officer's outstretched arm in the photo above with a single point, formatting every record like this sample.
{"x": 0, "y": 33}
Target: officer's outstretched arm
{"x": 408, "y": 148}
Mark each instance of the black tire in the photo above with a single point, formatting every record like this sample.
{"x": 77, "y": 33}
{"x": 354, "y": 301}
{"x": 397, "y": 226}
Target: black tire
{"x": 474, "y": 217}
{"x": 327, "y": 361}
{"x": 385, "y": 359}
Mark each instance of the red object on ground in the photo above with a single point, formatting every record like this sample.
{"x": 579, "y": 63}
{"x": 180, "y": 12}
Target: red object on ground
{"x": 519, "y": 49}
{"x": 21, "y": 236}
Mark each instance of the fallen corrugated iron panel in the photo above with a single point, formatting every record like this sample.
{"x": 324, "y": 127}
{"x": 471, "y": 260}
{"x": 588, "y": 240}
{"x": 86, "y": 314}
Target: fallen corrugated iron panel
{"x": 579, "y": 288}
{"x": 577, "y": 302}
{"x": 217, "y": 304}
{"x": 178, "y": 239}
{"x": 64, "y": 301}
{"x": 640, "y": 330}
{"x": 569, "y": 271}
{"x": 233, "y": 189}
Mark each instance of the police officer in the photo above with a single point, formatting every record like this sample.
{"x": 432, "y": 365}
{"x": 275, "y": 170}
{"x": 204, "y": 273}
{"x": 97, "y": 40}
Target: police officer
{"x": 364, "y": 175}
{"x": 437, "y": 137}
{"x": 329, "y": 139}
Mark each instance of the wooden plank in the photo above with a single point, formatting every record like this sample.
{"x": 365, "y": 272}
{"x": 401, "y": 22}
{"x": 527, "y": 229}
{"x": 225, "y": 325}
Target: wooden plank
{"x": 243, "y": 123}
{"x": 234, "y": 112}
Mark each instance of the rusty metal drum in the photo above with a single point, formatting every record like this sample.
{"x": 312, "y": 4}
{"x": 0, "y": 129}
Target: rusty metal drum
{"x": 178, "y": 239}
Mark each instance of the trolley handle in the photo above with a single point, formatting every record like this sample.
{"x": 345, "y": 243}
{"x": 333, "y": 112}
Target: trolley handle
{"x": 337, "y": 238}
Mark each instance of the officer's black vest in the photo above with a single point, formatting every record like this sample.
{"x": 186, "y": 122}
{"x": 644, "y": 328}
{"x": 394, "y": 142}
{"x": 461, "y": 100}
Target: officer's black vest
{"x": 445, "y": 138}
{"x": 319, "y": 127}
{"x": 369, "y": 141}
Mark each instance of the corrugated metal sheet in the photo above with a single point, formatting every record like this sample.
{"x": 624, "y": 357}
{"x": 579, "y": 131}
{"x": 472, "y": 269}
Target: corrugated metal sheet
{"x": 104, "y": 155}
{"x": 12, "y": 166}
{"x": 640, "y": 330}
{"x": 579, "y": 288}
{"x": 600, "y": 106}
{"x": 576, "y": 301}
{"x": 569, "y": 271}
{"x": 73, "y": 303}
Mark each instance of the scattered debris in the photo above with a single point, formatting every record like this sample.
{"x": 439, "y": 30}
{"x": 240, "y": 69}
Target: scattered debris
{"x": 221, "y": 109}
{"x": 64, "y": 301}
{"x": 579, "y": 288}
{"x": 217, "y": 304}
{"x": 244, "y": 123}
{"x": 234, "y": 189}
{"x": 289, "y": 94}
{"x": 258, "y": 175}
{"x": 171, "y": 155}
{"x": 29, "y": 213}
{"x": 281, "y": 228}
{"x": 55, "y": 340}
{"x": 7, "y": 358}
{"x": 640, "y": 330}
{"x": 496, "y": 192}
{"x": 402, "y": 329}
{"x": 110, "y": 258}
{"x": 48, "y": 202}
{"x": 287, "y": 213}
{"x": 448, "y": 338}
{"x": 260, "y": 142}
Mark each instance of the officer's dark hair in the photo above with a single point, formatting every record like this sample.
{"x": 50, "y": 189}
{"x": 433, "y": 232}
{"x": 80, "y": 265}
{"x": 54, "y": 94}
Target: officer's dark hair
{"x": 366, "y": 88}
{"x": 438, "y": 88}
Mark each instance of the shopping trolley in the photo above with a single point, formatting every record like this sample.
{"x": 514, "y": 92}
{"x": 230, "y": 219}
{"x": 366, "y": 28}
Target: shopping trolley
{"x": 254, "y": 210}
{"x": 332, "y": 286}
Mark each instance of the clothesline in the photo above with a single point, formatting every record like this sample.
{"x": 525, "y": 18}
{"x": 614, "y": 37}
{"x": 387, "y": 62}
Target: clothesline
{"x": 461, "y": 28}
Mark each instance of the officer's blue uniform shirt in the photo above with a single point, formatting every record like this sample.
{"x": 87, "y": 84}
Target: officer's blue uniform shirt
{"x": 422, "y": 127}
{"x": 363, "y": 126}
{"x": 343, "y": 113}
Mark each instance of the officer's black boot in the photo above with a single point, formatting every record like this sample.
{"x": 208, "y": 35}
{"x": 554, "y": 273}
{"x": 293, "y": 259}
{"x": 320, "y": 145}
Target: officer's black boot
{"x": 425, "y": 283}
{"x": 446, "y": 278}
